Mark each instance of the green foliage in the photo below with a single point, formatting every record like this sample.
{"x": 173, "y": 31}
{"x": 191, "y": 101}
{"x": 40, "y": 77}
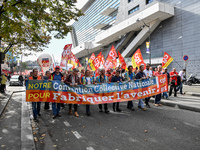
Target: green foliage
{"x": 30, "y": 24}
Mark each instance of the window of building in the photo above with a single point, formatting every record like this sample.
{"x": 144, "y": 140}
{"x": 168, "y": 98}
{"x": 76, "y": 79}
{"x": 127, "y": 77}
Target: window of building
{"x": 133, "y": 10}
{"x": 148, "y": 1}
{"x": 130, "y": 1}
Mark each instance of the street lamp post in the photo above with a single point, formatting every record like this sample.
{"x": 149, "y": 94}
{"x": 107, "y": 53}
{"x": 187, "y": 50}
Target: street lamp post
{"x": 148, "y": 26}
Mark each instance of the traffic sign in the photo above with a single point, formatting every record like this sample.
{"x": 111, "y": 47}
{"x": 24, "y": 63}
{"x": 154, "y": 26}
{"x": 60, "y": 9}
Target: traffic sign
{"x": 185, "y": 58}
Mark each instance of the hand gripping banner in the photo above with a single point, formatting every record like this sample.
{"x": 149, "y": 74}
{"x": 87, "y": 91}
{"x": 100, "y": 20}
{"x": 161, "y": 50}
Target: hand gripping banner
{"x": 59, "y": 92}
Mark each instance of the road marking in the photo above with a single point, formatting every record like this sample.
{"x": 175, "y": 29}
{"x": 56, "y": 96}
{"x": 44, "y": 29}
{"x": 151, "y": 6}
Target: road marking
{"x": 89, "y": 148}
{"x": 67, "y": 124}
{"x": 77, "y": 135}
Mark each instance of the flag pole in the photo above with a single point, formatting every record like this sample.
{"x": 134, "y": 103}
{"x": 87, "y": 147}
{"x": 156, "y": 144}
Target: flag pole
{"x": 54, "y": 60}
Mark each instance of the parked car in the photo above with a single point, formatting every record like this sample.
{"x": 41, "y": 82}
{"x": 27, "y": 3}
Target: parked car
{"x": 14, "y": 80}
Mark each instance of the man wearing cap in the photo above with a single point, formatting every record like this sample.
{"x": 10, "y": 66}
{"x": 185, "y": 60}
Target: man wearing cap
{"x": 130, "y": 75}
{"x": 73, "y": 80}
{"x": 168, "y": 77}
{"x": 148, "y": 74}
{"x": 35, "y": 105}
{"x": 57, "y": 75}
{"x": 141, "y": 75}
{"x": 102, "y": 78}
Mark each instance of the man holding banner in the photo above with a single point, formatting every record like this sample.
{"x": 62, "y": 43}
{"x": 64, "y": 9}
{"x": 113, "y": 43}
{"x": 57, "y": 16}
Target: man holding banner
{"x": 130, "y": 75}
{"x": 102, "y": 78}
{"x": 35, "y": 105}
{"x": 73, "y": 80}
{"x": 56, "y": 106}
{"x": 141, "y": 75}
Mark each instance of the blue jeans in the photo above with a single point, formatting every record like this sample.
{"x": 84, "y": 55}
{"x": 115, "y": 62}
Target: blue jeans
{"x": 130, "y": 104}
{"x": 180, "y": 87}
{"x": 141, "y": 103}
{"x": 157, "y": 99}
{"x": 165, "y": 94}
{"x": 56, "y": 110}
{"x": 36, "y": 108}
{"x": 87, "y": 108}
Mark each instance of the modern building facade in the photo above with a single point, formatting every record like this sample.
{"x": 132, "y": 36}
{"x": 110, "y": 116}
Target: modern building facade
{"x": 171, "y": 26}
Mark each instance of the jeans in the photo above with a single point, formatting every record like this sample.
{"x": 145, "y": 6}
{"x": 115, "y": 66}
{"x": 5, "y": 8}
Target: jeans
{"x": 87, "y": 108}
{"x": 56, "y": 110}
{"x": 171, "y": 88}
{"x": 165, "y": 94}
{"x": 105, "y": 106}
{"x": 46, "y": 105}
{"x": 141, "y": 103}
{"x": 157, "y": 99}
{"x": 130, "y": 104}
{"x": 180, "y": 87}
{"x": 147, "y": 100}
{"x": 75, "y": 107}
{"x": 36, "y": 108}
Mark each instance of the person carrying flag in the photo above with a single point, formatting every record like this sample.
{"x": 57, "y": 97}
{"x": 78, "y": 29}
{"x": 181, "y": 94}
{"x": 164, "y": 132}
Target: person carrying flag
{"x": 87, "y": 80}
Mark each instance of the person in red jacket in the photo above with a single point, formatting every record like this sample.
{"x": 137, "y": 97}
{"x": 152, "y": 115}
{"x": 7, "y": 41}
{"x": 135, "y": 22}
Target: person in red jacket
{"x": 173, "y": 82}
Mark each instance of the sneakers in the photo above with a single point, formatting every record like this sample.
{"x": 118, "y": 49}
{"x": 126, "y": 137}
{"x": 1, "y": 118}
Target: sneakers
{"x": 144, "y": 109}
{"x": 156, "y": 105}
{"x": 160, "y": 104}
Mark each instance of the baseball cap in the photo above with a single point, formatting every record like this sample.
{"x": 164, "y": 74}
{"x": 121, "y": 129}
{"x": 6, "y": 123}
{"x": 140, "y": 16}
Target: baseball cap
{"x": 57, "y": 67}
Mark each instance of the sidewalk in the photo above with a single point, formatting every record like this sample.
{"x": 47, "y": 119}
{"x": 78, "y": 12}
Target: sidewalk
{"x": 4, "y": 98}
{"x": 186, "y": 102}
{"x": 193, "y": 90}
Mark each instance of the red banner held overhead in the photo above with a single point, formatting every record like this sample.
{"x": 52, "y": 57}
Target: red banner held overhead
{"x": 73, "y": 60}
{"x": 96, "y": 63}
{"x": 167, "y": 59}
{"x": 111, "y": 61}
{"x": 122, "y": 61}
{"x": 65, "y": 55}
{"x": 137, "y": 59}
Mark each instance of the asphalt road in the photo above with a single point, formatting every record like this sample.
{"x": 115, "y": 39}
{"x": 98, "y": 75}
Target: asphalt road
{"x": 167, "y": 128}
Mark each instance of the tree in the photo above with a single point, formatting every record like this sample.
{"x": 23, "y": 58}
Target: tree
{"x": 30, "y": 24}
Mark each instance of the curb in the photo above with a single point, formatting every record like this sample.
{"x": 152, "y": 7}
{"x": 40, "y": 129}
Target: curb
{"x": 193, "y": 94}
{"x": 7, "y": 100}
{"x": 174, "y": 104}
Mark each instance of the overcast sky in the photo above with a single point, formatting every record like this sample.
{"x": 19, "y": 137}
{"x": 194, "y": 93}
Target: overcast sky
{"x": 56, "y": 46}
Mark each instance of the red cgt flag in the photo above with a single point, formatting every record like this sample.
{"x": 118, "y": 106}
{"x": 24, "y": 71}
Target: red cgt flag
{"x": 167, "y": 59}
{"x": 122, "y": 61}
{"x": 96, "y": 63}
{"x": 137, "y": 59}
{"x": 111, "y": 61}
{"x": 92, "y": 57}
{"x": 65, "y": 55}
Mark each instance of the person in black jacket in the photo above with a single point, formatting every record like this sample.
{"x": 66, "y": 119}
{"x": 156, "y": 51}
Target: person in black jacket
{"x": 21, "y": 79}
{"x": 117, "y": 79}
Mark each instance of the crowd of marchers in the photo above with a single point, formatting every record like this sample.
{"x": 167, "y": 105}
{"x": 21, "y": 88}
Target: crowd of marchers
{"x": 74, "y": 78}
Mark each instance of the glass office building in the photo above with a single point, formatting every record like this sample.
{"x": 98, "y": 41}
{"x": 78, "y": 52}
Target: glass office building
{"x": 98, "y": 17}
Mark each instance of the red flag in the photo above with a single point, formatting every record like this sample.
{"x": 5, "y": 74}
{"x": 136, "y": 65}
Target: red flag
{"x": 80, "y": 64}
{"x": 137, "y": 59}
{"x": 122, "y": 61}
{"x": 167, "y": 59}
{"x": 65, "y": 55}
{"x": 73, "y": 60}
{"x": 92, "y": 57}
{"x": 111, "y": 61}
{"x": 96, "y": 63}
